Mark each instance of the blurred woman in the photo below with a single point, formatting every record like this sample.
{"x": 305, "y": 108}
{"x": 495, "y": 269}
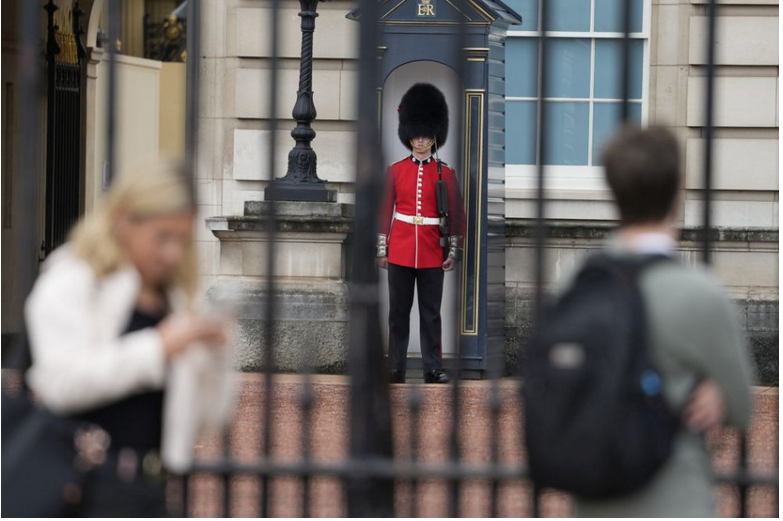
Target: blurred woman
{"x": 116, "y": 339}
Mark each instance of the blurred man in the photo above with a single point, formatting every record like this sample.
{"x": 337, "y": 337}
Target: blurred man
{"x": 421, "y": 230}
{"x": 693, "y": 337}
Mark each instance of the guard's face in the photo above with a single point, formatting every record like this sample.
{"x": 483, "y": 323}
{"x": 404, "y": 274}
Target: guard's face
{"x": 422, "y": 143}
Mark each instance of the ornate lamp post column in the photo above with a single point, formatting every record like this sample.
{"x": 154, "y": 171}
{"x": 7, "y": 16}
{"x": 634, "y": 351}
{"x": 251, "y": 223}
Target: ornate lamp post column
{"x": 301, "y": 182}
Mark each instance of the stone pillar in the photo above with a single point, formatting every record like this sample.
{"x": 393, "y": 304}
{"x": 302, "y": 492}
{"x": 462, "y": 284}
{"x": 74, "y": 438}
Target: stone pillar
{"x": 93, "y": 152}
{"x": 310, "y": 273}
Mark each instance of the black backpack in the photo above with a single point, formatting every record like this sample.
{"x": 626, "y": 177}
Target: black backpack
{"x": 596, "y": 424}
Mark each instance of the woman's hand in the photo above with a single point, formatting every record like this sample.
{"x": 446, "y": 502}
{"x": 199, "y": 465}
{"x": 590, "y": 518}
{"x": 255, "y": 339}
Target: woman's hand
{"x": 179, "y": 332}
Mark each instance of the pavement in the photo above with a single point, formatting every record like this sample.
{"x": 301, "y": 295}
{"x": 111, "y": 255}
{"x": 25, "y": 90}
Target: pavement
{"x": 328, "y": 435}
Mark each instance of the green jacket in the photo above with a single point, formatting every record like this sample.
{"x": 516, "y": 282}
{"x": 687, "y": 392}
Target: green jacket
{"x": 694, "y": 332}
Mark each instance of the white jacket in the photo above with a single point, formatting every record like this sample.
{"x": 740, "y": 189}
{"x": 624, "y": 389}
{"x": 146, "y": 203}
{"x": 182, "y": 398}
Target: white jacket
{"x": 82, "y": 359}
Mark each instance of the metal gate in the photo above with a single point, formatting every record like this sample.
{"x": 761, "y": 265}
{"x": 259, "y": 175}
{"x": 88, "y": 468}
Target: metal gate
{"x": 373, "y": 475}
{"x": 64, "y": 135}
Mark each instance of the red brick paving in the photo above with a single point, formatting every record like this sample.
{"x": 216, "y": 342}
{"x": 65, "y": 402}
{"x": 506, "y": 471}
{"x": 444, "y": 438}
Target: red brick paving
{"x": 330, "y": 444}
{"x": 329, "y": 434}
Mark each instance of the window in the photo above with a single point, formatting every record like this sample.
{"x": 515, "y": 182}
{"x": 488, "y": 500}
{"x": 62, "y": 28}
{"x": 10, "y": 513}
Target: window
{"x": 583, "y": 94}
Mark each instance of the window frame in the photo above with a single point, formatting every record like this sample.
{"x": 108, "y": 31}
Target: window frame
{"x": 588, "y": 177}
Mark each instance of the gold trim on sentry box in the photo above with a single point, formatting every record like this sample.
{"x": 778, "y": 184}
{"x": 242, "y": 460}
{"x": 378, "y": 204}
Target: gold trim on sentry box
{"x": 472, "y": 95}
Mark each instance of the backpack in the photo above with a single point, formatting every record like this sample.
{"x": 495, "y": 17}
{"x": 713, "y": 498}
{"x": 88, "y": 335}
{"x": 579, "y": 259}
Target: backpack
{"x": 596, "y": 423}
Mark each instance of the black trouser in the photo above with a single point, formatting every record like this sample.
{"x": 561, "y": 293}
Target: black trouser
{"x": 429, "y": 282}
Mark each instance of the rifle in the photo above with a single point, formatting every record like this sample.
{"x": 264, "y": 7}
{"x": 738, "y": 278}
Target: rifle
{"x": 442, "y": 194}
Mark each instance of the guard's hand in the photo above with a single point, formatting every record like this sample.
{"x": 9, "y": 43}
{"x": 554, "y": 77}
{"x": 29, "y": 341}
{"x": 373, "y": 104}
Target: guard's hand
{"x": 706, "y": 409}
{"x": 449, "y": 264}
{"x": 382, "y": 262}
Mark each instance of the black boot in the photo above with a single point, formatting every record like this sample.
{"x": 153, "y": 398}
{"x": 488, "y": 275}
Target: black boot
{"x": 436, "y": 376}
{"x": 397, "y": 377}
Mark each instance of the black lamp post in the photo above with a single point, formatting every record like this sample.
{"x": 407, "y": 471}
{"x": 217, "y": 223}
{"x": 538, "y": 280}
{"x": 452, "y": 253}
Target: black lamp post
{"x": 301, "y": 182}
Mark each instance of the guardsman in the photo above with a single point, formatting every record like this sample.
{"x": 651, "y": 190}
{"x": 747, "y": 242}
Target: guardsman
{"x": 421, "y": 230}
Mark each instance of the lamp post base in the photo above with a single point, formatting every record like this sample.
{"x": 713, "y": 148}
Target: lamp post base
{"x": 280, "y": 190}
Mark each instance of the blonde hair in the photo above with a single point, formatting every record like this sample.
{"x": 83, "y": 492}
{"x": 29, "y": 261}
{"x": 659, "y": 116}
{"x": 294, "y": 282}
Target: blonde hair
{"x": 156, "y": 189}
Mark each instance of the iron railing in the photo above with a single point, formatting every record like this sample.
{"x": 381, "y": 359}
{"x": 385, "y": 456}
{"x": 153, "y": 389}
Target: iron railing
{"x": 64, "y": 121}
{"x": 370, "y": 474}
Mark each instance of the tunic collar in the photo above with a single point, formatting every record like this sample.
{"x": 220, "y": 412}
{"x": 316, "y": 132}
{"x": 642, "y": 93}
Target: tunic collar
{"x": 421, "y": 162}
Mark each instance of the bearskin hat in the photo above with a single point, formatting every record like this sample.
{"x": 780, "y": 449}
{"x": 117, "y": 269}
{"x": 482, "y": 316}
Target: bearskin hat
{"x": 423, "y": 112}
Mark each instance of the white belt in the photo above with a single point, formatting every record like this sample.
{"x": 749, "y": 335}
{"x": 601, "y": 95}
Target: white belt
{"x": 411, "y": 219}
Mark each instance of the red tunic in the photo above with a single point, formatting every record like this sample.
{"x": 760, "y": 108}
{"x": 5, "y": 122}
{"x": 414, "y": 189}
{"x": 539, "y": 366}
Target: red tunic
{"x": 410, "y": 190}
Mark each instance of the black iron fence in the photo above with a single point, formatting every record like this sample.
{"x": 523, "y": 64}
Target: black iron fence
{"x": 371, "y": 474}
{"x": 64, "y": 122}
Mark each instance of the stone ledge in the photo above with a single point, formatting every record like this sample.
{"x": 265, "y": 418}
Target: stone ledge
{"x": 526, "y": 229}
{"x": 759, "y": 320}
{"x": 290, "y": 216}
{"x": 299, "y": 209}
{"x": 293, "y": 300}
{"x": 314, "y": 224}
{"x": 310, "y": 330}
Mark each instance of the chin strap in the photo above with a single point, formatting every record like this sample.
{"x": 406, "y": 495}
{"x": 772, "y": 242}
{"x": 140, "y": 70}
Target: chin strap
{"x": 423, "y": 149}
